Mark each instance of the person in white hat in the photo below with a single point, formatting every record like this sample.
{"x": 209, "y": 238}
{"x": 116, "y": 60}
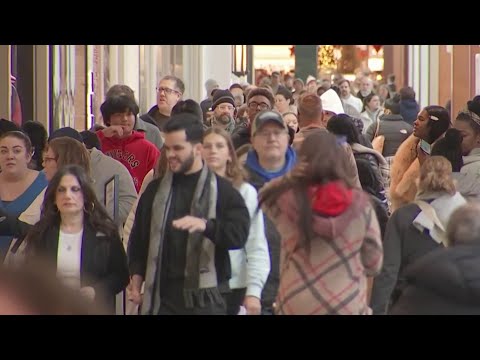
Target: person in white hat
{"x": 332, "y": 105}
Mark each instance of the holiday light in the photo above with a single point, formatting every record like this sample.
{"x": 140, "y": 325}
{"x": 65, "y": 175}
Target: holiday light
{"x": 326, "y": 57}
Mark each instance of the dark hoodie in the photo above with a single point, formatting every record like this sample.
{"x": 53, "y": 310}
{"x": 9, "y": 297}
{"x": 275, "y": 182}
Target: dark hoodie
{"x": 137, "y": 154}
{"x": 409, "y": 110}
{"x": 443, "y": 282}
{"x": 241, "y": 136}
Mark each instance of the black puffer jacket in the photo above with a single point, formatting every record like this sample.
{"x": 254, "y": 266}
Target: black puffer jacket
{"x": 240, "y": 136}
{"x": 395, "y": 130}
{"x": 373, "y": 186}
{"x": 443, "y": 282}
{"x": 378, "y": 165}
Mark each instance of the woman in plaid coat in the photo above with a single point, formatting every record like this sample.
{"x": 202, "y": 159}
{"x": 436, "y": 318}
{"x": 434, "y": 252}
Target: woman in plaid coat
{"x": 330, "y": 234}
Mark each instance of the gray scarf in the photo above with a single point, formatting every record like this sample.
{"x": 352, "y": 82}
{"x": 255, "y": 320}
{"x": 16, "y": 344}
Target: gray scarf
{"x": 200, "y": 272}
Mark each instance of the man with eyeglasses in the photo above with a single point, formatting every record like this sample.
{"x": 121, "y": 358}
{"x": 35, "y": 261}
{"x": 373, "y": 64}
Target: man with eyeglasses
{"x": 169, "y": 91}
{"x": 270, "y": 157}
{"x": 223, "y": 111}
{"x": 259, "y": 99}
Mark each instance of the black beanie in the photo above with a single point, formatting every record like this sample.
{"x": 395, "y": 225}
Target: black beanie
{"x": 222, "y": 96}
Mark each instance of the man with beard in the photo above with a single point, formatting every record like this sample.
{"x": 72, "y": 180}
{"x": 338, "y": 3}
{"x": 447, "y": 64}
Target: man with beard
{"x": 366, "y": 88}
{"x": 223, "y": 108}
{"x": 185, "y": 224}
{"x": 169, "y": 91}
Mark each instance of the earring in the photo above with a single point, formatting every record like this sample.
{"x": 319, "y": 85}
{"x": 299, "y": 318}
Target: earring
{"x": 89, "y": 212}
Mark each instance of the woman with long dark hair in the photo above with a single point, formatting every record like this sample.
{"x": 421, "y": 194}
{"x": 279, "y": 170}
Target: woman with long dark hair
{"x": 76, "y": 233}
{"x": 343, "y": 125}
{"x": 451, "y": 147}
{"x": 330, "y": 234}
{"x": 58, "y": 153}
{"x": 432, "y": 122}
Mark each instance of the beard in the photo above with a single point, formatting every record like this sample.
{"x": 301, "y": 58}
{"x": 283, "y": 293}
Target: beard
{"x": 224, "y": 119}
{"x": 186, "y": 164}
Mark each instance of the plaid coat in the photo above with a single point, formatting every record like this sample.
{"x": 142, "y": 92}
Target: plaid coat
{"x": 345, "y": 250}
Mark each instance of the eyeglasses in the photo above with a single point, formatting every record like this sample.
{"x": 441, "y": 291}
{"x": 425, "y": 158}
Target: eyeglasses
{"x": 226, "y": 107}
{"x": 168, "y": 91}
{"x": 47, "y": 159}
{"x": 262, "y": 105}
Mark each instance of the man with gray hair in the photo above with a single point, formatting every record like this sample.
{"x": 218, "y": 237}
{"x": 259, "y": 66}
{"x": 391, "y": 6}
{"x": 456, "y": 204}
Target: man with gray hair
{"x": 170, "y": 90}
{"x": 366, "y": 88}
{"x": 464, "y": 225}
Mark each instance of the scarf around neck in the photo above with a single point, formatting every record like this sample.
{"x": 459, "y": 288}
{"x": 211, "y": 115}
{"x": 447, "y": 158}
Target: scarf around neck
{"x": 200, "y": 273}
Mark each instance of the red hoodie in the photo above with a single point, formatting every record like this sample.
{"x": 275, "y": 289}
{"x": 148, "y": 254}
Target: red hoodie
{"x": 137, "y": 154}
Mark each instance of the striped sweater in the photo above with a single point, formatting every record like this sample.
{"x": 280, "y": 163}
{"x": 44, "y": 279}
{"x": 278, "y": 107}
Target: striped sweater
{"x": 344, "y": 251}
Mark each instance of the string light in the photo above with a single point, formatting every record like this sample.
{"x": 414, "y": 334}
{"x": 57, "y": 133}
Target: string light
{"x": 326, "y": 57}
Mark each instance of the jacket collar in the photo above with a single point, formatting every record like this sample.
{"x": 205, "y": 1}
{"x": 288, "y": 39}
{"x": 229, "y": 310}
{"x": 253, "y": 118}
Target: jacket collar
{"x": 140, "y": 125}
{"x": 88, "y": 243}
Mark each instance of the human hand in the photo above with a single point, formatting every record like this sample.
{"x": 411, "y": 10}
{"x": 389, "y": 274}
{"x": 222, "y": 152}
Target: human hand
{"x": 113, "y": 131}
{"x": 190, "y": 223}
{"x": 252, "y": 304}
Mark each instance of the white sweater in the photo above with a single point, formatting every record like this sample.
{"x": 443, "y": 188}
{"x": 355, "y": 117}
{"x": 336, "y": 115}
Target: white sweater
{"x": 251, "y": 265}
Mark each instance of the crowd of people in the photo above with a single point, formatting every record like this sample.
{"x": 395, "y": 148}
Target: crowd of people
{"x": 287, "y": 198}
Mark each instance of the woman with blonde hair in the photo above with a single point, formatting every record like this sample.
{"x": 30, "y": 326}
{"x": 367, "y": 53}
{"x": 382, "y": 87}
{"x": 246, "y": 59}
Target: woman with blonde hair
{"x": 250, "y": 265}
{"x": 416, "y": 229}
{"x": 440, "y": 283}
